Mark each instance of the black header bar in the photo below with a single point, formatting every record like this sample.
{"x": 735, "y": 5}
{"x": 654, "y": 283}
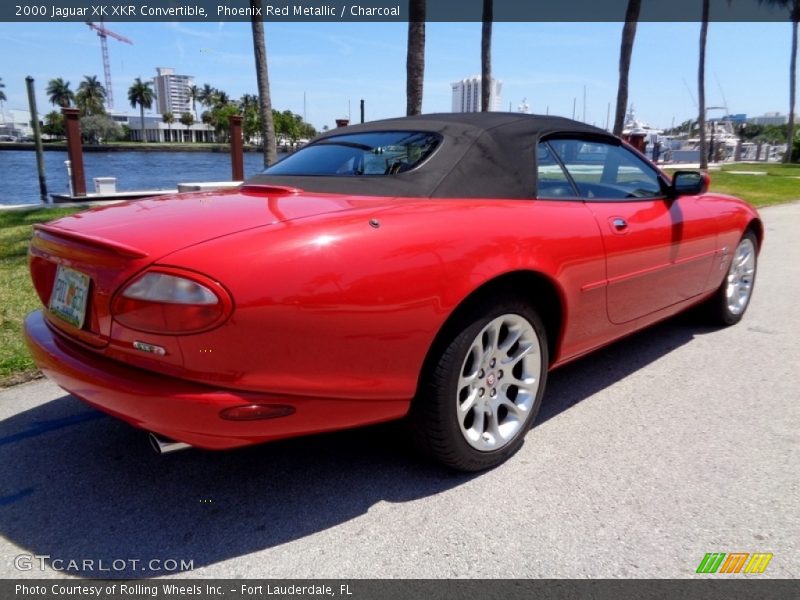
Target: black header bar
{"x": 365, "y": 11}
{"x": 403, "y": 589}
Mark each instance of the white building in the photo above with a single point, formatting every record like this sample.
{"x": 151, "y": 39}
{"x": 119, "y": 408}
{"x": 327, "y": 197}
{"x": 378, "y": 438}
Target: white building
{"x": 17, "y": 123}
{"x": 772, "y": 118}
{"x": 155, "y": 130}
{"x": 172, "y": 91}
{"x": 467, "y": 95}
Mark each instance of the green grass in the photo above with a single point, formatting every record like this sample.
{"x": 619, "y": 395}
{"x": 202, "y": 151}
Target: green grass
{"x": 774, "y": 169}
{"x": 780, "y": 184}
{"x": 17, "y": 297}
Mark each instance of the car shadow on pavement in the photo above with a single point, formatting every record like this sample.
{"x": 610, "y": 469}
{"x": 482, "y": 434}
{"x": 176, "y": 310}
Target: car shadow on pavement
{"x": 600, "y": 369}
{"x": 78, "y": 485}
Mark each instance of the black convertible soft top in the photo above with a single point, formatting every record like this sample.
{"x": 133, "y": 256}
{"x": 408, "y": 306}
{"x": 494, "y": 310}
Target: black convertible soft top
{"x": 482, "y": 155}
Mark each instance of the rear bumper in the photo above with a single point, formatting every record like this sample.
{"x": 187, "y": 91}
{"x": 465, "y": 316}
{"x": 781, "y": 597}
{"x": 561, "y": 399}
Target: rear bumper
{"x": 186, "y": 411}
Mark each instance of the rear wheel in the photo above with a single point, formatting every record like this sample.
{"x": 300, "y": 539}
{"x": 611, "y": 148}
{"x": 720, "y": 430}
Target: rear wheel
{"x": 729, "y": 303}
{"x": 482, "y": 395}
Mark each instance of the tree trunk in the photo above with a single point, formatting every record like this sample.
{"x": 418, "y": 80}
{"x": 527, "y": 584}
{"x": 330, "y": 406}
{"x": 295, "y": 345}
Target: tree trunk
{"x": 141, "y": 115}
{"x": 486, "y": 55}
{"x": 415, "y": 57}
{"x": 262, "y": 75}
{"x": 792, "y": 82}
{"x": 625, "y": 52}
{"x": 701, "y": 88}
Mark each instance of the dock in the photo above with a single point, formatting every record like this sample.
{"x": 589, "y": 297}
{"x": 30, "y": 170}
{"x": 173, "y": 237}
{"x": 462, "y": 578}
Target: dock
{"x": 204, "y": 186}
{"x": 110, "y": 197}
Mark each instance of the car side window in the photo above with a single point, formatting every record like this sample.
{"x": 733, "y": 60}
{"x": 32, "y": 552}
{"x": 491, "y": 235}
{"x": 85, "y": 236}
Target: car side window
{"x": 603, "y": 171}
{"x": 551, "y": 180}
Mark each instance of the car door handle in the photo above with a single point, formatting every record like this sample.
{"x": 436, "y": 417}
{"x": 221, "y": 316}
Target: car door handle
{"x": 619, "y": 223}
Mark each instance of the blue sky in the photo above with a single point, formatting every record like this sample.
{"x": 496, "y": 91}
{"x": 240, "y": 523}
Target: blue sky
{"x": 338, "y": 64}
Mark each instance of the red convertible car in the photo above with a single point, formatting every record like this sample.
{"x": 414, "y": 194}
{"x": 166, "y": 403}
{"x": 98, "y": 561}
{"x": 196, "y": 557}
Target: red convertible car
{"x": 433, "y": 268}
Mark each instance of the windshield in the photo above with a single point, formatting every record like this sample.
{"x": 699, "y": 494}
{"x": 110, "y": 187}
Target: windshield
{"x": 360, "y": 154}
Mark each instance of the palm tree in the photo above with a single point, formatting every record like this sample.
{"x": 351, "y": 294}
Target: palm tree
{"x": 262, "y": 75}
{"x": 486, "y": 55}
{"x": 191, "y": 94}
{"x": 794, "y": 15}
{"x": 141, "y": 94}
{"x": 205, "y": 95}
{"x": 625, "y": 52}
{"x": 701, "y": 88}
{"x": 59, "y": 93}
{"x": 54, "y": 124}
{"x": 187, "y": 119}
{"x": 415, "y": 56}
{"x": 248, "y": 102}
{"x": 251, "y": 117}
{"x": 2, "y": 97}
{"x": 91, "y": 96}
{"x": 169, "y": 119}
{"x": 221, "y": 98}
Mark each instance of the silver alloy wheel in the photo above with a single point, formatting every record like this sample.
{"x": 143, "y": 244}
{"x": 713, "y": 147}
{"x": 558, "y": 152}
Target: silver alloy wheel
{"x": 498, "y": 382}
{"x": 740, "y": 277}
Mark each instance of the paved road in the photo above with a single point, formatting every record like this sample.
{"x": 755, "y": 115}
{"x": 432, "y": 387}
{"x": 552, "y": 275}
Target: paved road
{"x": 679, "y": 441}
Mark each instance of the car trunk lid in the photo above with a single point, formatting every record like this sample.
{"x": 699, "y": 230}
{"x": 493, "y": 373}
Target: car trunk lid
{"x": 111, "y": 244}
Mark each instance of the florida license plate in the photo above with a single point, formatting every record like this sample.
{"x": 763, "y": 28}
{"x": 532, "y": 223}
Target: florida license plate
{"x": 70, "y": 292}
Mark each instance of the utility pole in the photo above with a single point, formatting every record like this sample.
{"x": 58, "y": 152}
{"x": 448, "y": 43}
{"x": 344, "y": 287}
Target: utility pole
{"x": 37, "y": 136}
{"x": 584, "y": 104}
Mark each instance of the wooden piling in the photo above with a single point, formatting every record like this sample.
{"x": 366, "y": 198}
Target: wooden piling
{"x": 74, "y": 149}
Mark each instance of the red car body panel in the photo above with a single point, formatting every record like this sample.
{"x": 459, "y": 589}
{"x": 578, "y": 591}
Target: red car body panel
{"x": 337, "y": 299}
{"x": 662, "y": 256}
{"x": 183, "y": 410}
{"x": 341, "y": 324}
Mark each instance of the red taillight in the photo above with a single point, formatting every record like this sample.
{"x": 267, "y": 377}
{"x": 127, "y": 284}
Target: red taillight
{"x": 255, "y": 412}
{"x": 171, "y": 301}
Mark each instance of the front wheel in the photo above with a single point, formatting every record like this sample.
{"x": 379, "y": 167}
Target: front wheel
{"x": 480, "y": 398}
{"x": 728, "y": 305}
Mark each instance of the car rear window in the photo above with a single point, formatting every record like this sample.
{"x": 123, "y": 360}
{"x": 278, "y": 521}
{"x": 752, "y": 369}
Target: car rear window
{"x": 360, "y": 154}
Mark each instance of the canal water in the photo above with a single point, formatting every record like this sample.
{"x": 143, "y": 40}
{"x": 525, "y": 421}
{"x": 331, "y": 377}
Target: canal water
{"x": 19, "y": 181}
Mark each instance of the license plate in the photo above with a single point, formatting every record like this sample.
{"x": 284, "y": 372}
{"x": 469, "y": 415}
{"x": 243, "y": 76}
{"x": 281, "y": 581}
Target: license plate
{"x": 70, "y": 292}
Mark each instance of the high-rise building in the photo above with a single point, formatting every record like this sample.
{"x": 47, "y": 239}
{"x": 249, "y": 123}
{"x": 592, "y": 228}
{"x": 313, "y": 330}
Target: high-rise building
{"x": 172, "y": 91}
{"x": 467, "y": 95}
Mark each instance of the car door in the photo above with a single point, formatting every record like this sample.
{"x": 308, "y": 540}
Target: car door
{"x": 659, "y": 250}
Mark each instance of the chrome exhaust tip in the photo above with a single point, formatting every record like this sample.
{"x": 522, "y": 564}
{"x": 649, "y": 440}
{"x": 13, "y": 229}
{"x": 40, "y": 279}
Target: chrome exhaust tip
{"x": 165, "y": 446}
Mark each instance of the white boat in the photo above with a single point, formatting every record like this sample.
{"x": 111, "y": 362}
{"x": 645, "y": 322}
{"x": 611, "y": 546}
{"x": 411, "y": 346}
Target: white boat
{"x": 656, "y": 144}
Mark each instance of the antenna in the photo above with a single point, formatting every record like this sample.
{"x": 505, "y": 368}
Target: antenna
{"x": 691, "y": 95}
{"x": 724, "y": 101}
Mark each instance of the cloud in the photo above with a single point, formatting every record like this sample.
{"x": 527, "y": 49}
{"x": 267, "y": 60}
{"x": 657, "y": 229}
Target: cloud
{"x": 181, "y": 51}
{"x": 195, "y": 32}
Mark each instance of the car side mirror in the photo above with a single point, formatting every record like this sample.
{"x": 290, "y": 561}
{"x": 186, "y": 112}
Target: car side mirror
{"x": 689, "y": 183}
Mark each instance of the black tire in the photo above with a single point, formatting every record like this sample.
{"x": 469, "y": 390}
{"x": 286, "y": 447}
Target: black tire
{"x": 728, "y": 304}
{"x": 442, "y": 426}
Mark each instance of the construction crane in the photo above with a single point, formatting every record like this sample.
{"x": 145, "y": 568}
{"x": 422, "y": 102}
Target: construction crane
{"x": 103, "y": 34}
